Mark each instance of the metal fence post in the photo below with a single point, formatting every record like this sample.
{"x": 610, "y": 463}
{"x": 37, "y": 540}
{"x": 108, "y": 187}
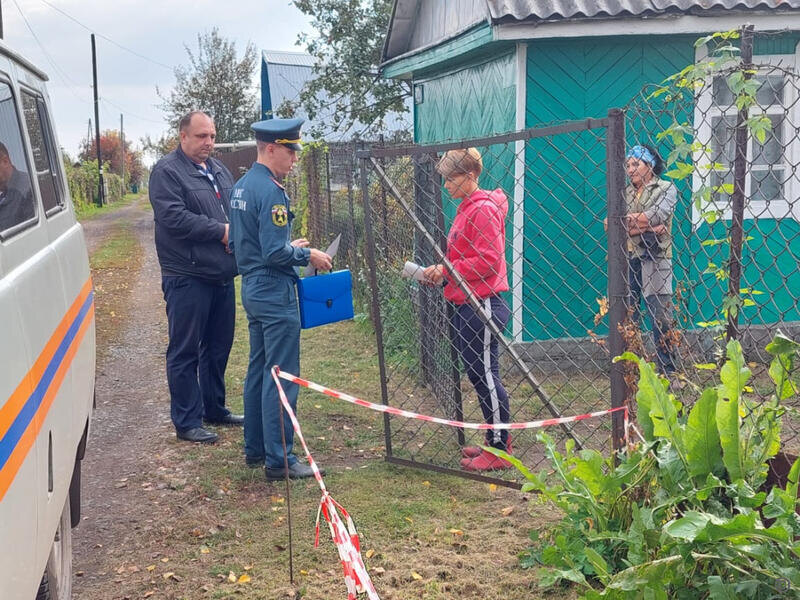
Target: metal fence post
{"x": 617, "y": 266}
{"x": 376, "y": 304}
{"x": 736, "y": 232}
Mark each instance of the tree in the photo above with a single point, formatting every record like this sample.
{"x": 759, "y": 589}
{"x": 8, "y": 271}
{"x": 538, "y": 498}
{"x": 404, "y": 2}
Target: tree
{"x": 161, "y": 146}
{"x": 217, "y": 82}
{"x": 111, "y": 151}
{"x": 347, "y": 89}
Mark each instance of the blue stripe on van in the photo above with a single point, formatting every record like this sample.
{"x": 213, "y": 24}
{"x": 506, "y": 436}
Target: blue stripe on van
{"x": 28, "y": 412}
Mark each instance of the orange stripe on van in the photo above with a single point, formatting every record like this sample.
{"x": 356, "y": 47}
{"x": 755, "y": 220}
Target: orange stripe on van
{"x": 15, "y": 402}
{"x": 25, "y": 443}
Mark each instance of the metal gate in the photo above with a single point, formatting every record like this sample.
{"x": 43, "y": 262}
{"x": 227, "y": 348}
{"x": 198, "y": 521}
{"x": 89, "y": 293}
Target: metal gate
{"x": 565, "y": 272}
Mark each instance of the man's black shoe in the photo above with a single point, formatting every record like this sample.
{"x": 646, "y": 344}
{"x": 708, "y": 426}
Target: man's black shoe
{"x": 229, "y": 419}
{"x": 296, "y": 471}
{"x": 254, "y": 463}
{"x": 197, "y": 434}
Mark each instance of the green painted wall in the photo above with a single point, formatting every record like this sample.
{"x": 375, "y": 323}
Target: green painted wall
{"x": 565, "y": 197}
{"x": 474, "y": 101}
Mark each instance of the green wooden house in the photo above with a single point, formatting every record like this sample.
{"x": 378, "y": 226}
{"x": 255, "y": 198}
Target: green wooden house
{"x": 481, "y": 67}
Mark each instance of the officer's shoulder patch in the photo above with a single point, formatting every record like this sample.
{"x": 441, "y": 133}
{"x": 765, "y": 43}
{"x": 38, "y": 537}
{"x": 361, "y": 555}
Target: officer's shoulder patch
{"x": 280, "y": 216}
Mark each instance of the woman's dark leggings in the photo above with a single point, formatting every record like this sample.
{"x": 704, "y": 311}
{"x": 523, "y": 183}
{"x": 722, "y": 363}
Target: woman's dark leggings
{"x": 478, "y": 350}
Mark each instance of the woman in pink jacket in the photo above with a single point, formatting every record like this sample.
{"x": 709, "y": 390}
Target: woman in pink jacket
{"x": 476, "y": 249}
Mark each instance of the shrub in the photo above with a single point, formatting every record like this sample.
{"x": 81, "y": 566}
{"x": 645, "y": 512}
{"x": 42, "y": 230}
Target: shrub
{"x": 682, "y": 514}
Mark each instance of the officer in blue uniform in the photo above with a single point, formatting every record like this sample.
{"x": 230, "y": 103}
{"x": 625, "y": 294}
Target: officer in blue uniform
{"x": 260, "y": 230}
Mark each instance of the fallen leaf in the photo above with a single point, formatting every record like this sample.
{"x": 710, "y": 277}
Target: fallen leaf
{"x": 456, "y": 532}
{"x": 151, "y": 567}
{"x": 148, "y": 594}
{"x": 416, "y": 575}
{"x": 231, "y": 577}
{"x": 244, "y": 578}
{"x": 303, "y": 572}
{"x": 370, "y": 553}
{"x": 167, "y": 575}
{"x": 165, "y": 559}
{"x": 409, "y": 519}
{"x": 492, "y": 487}
{"x": 378, "y": 570}
{"x": 204, "y": 550}
{"x": 248, "y": 567}
{"x": 426, "y": 483}
{"x": 507, "y": 511}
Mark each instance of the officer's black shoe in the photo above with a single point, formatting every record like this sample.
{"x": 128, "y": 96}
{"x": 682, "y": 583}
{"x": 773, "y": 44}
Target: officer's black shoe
{"x": 296, "y": 471}
{"x": 254, "y": 463}
{"x": 229, "y": 419}
{"x": 197, "y": 434}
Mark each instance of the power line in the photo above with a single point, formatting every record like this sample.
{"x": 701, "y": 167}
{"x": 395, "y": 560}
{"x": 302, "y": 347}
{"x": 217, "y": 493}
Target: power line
{"x": 129, "y": 113}
{"x": 68, "y": 83}
{"x": 105, "y": 37}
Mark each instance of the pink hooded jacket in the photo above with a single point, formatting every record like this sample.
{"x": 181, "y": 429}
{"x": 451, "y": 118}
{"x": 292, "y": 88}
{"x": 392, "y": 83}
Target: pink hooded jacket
{"x": 476, "y": 245}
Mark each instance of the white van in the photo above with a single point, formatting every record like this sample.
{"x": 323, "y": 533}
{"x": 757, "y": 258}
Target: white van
{"x": 47, "y": 344}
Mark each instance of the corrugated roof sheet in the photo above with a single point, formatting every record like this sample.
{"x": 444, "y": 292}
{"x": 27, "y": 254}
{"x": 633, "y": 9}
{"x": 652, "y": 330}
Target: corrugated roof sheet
{"x": 295, "y": 59}
{"x": 545, "y": 10}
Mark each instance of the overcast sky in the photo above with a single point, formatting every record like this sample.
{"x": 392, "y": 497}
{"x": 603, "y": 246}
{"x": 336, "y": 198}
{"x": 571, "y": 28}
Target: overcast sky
{"x": 155, "y": 29}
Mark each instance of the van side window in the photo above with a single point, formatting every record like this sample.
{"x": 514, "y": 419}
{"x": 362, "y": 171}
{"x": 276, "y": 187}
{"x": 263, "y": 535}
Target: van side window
{"x": 44, "y": 151}
{"x": 17, "y": 205}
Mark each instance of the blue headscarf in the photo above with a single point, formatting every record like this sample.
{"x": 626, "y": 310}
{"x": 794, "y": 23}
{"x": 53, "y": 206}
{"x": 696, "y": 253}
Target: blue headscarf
{"x": 641, "y": 153}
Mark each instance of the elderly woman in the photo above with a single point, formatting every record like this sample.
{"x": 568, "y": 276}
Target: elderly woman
{"x": 650, "y": 205}
{"x": 476, "y": 246}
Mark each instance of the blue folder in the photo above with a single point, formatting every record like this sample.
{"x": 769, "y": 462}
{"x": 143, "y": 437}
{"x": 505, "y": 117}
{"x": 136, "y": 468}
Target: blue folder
{"x": 325, "y": 298}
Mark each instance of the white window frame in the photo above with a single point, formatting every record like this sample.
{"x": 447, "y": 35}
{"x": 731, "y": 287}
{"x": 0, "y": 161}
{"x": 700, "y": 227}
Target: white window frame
{"x": 705, "y": 112}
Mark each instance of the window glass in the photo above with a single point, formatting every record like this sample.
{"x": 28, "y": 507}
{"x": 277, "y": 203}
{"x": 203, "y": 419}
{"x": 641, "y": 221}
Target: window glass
{"x": 17, "y": 204}
{"x": 43, "y": 148}
{"x": 767, "y": 167}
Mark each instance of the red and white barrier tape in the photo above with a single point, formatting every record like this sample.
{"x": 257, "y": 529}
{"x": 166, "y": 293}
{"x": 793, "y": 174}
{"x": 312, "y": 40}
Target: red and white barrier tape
{"x": 346, "y": 538}
{"x": 356, "y": 577}
{"x": 412, "y": 415}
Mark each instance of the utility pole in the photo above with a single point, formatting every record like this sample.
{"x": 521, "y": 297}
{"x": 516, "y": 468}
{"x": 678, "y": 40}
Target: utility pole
{"x": 102, "y": 195}
{"x": 122, "y": 145}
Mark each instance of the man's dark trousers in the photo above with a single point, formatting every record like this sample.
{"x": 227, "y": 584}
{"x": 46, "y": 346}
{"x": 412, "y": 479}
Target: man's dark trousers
{"x": 201, "y": 321}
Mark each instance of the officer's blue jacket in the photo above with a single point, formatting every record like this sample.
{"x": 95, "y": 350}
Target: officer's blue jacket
{"x": 261, "y": 226}
{"x": 190, "y": 219}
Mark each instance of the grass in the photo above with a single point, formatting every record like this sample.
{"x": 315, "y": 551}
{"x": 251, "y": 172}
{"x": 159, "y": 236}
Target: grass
{"x": 89, "y": 211}
{"x": 113, "y": 265}
{"x": 423, "y": 535}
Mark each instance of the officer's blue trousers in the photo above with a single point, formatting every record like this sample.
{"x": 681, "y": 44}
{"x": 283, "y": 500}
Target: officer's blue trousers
{"x": 201, "y": 319}
{"x": 274, "y": 323}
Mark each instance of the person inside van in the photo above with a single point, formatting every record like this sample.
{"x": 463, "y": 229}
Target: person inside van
{"x": 16, "y": 200}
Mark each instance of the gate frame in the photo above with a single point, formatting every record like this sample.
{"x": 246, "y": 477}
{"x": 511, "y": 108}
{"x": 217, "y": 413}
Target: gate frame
{"x": 614, "y": 124}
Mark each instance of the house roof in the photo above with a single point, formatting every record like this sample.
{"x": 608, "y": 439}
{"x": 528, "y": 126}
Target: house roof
{"x": 541, "y": 10}
{"x": 416, "y": 25}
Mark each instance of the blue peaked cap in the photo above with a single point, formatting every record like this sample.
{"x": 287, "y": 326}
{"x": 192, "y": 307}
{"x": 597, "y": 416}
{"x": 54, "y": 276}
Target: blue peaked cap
{"x": 279, "y": 131}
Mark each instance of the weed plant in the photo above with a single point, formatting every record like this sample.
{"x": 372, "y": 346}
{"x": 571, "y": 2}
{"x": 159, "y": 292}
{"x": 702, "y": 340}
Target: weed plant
{"x": 684, "y": 513}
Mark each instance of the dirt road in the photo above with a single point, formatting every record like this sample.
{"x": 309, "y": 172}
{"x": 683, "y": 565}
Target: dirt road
{"x": 131, "y": 425}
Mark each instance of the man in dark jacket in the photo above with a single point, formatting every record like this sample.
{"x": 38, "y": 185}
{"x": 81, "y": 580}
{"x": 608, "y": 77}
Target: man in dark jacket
{"x": 190, "y": 195}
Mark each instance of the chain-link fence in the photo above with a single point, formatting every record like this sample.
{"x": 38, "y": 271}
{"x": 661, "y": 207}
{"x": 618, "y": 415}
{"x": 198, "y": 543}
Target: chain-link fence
{"x": 729, "y": 131}
{"x": 537, "y": 243}
{"x": 705, "y": 251}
